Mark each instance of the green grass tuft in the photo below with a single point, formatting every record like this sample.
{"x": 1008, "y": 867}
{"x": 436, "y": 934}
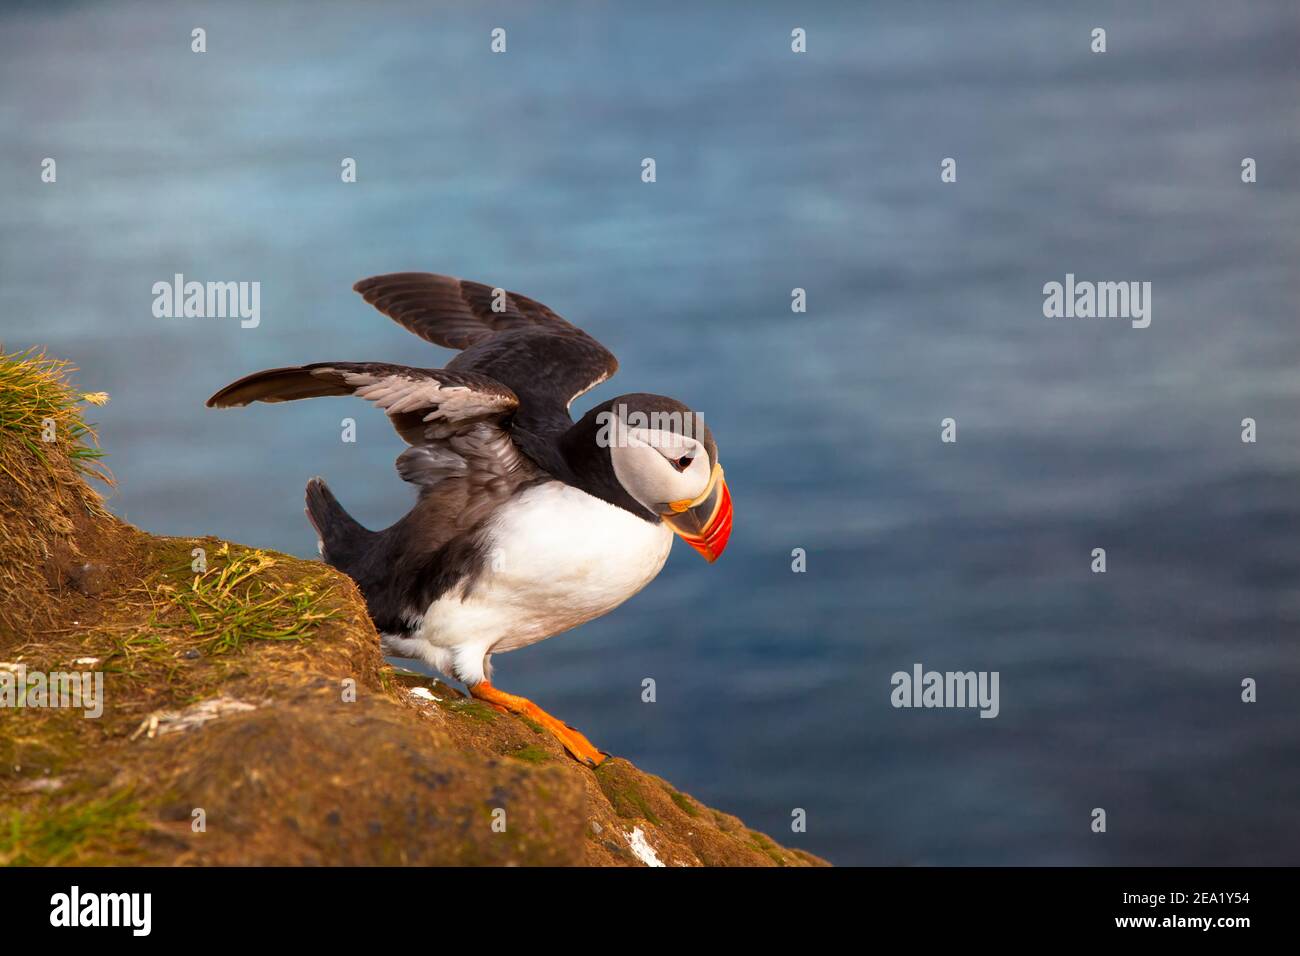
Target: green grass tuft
{"x": 36, "y": 399}
{"x": 680, "y": 799}
{"x": 531, "y": 753}
{"x": 767, "y": 846}
{"x": 474, "y": 709}
{"x": 81, "y": 833}
{"x": 231, "y": 603}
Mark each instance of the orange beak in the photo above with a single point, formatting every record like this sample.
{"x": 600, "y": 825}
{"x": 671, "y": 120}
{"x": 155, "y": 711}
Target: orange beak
{"x": 705, "y": 523}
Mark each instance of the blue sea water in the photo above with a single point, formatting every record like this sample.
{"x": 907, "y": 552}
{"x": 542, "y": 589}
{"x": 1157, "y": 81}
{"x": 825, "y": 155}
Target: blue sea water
{"x": 775, "y": 170}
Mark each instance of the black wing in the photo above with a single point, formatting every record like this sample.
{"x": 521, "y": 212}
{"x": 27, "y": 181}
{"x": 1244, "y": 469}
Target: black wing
{"x": 511, "y": 338}
{"x": 454, "y": 421}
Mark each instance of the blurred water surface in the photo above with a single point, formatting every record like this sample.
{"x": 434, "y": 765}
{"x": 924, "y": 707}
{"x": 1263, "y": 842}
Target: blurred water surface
{"x": 774, "y": 171}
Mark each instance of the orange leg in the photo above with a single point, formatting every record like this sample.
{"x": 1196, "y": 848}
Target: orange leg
{"x": 578, "y": 746}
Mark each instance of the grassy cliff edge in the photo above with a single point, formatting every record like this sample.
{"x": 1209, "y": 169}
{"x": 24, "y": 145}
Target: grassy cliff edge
{"x": 248, "y": 716}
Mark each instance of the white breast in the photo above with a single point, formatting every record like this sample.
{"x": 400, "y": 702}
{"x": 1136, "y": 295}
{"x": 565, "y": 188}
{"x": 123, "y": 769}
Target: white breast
{"x": 557, "y": 557}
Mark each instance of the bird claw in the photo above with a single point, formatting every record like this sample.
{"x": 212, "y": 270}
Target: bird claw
{"x": 575, "y": 744}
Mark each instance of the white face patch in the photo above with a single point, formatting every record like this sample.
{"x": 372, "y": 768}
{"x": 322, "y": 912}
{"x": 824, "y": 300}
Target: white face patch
{"x": 656, "y": 467}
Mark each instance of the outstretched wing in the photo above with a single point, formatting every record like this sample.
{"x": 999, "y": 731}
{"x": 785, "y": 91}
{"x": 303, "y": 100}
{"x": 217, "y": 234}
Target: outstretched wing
{"x": 509, "y": 337}
{"x": 454, "y": 313}
{"x": 454, "y": 421}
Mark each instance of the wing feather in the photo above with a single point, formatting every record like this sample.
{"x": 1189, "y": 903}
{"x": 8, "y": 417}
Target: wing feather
{"x": 455, "y": 421}
{"x": 518, "y": 341}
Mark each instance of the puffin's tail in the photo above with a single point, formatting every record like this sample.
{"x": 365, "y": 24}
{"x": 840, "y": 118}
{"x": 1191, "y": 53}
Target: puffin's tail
{"x": 342, "y": 539}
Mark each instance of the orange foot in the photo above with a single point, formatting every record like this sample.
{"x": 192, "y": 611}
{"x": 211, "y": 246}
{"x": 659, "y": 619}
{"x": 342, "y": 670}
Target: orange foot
{"x": 578, "y": 746}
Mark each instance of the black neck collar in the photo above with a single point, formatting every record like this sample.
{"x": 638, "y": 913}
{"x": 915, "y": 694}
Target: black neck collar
{"x": 592, "y": 469}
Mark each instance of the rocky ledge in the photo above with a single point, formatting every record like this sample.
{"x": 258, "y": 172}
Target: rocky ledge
{"x": 244, "y": 713}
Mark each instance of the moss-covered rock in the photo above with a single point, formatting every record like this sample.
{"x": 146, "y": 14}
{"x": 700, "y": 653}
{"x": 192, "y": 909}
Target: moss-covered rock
{"x": 248, "y": 714}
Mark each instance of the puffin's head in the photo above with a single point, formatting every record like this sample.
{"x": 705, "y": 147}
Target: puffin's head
{"x": 665, "y": 458}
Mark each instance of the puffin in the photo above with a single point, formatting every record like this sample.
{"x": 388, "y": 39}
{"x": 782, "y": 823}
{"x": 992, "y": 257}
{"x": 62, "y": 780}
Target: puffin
{"x": 526, "y": 523}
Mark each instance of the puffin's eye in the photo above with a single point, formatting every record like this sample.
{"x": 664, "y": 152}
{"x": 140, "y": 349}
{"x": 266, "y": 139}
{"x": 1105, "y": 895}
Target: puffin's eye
{"x": 681, "y": 464}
